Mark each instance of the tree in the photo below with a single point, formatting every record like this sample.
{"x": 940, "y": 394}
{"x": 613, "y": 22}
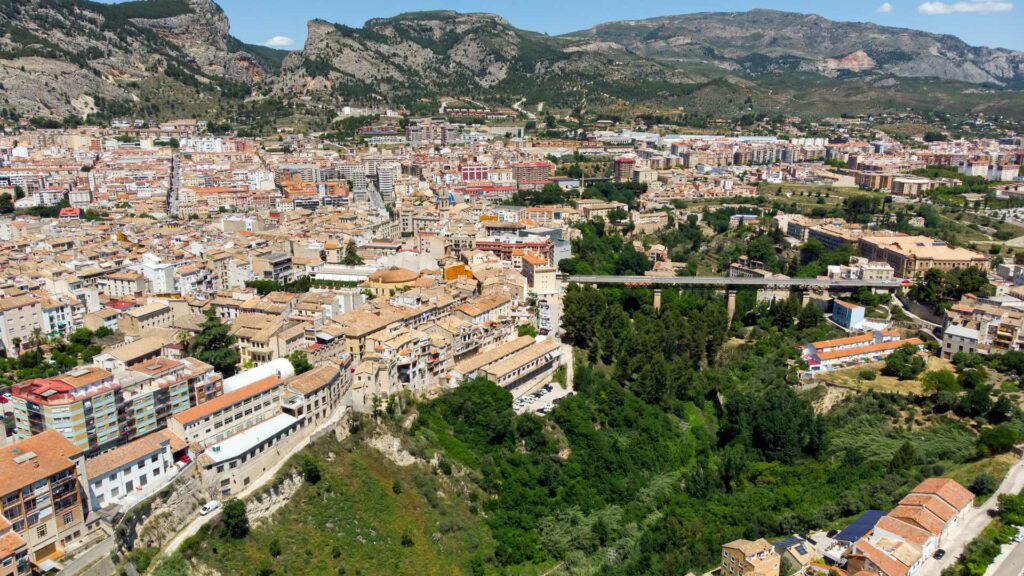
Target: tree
{"x": 904, "y": 363}
{"x": 300, "y": 362}
{"x": 6, "y": 204}
{"x": 235, "y": 520}
{"x": 215, "y": 345}
{"x": 997, "y": 440}
{"x": 984, "y": 483}
{"x": 940, "y": 381}
{"x": 810, "y": 316}
{"x": 527, "y": 330}
{"x": 351, "y": 257}
{"x": 310, "y": 469}
{"x": 904, "y": 458}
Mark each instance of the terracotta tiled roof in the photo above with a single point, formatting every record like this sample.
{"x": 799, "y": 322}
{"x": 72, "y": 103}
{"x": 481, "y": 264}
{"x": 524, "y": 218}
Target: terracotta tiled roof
{"x": 35, "y": 458}
{"x": 221, "y": 402}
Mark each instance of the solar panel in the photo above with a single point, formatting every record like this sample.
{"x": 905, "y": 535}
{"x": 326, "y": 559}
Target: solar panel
{"x": 860, "y": 527}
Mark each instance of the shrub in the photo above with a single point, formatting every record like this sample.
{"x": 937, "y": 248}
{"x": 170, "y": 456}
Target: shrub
{"x": 310, "y": 469}
{"x": 868, "y": 375}
{"x": 984, "y": 483}
{"x": 997, "y": 440}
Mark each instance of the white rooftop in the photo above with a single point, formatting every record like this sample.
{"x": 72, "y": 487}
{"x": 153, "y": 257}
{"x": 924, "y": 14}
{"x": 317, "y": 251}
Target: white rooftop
{"x": 962, "y": 332}
{"x": 242, "y": 442}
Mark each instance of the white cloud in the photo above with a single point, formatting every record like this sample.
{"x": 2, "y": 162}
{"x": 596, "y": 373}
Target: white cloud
{"x": 965, "y": 6}
{"x": 279, "y": 42}
{"x": 885, "y": 8}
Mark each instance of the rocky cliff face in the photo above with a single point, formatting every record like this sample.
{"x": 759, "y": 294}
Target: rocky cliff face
{"x": 752, "y": 40}
{"x": 61, "y": 57}
{"x": 447, "y": 53}
{"x": 202, "y": 34}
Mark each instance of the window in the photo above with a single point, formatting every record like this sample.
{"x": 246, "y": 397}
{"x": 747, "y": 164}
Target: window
{"x": 142, "y": 464}
{"x": 69, "y": 518}
{"x": 41, "y": 531}
{"x": 154, "y": 459}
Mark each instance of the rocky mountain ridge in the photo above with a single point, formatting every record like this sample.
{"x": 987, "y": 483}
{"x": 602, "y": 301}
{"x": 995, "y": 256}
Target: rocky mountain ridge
{"x": 160, "y": 57}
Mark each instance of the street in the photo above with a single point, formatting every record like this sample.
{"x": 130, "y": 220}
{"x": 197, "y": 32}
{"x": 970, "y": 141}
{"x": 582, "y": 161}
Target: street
{"x": 1011, "y": 565}
{"x": 974, "y": 522}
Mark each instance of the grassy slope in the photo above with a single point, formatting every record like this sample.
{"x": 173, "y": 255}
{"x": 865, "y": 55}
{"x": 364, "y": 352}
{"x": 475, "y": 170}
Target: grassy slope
{"x": 355, "y": 509}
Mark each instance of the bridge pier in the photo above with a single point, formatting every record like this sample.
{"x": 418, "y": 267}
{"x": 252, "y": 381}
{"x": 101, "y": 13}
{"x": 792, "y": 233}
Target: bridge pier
{"x": 805, "y": 297}
{"x": 657, "y": 300}
{"x": 730, "y": 303}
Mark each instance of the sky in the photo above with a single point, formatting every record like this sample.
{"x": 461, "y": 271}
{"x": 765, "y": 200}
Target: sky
{"x": 282, "y": 24}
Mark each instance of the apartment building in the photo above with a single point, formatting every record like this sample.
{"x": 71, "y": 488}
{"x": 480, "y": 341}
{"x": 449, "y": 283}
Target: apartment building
{"x": 41, "y": 495}
{"x": 228, "y": 414}
{"x": 135, "y": 469}
{"x": 276, "y": 266}
{"x": 471, "y": 366}
{"x": 19, "y": 317}
{"x": 122, "y": 284}
{"x": 529, "y": 365}
{"x": 14, "y": 559}
{"x": 540, "y": 275}
{"x": 912, "y": 255}
{"x": 486, "y": 308}
{"x": 135, "y": 321}
{"x": 750, "y": 558}
{"x": 153, "y": 390}
{"x": 97, "y": 409}
{"x": 264, "y": 337}
{"x": 315, "y": 394}
{"x": 82, "y": 405}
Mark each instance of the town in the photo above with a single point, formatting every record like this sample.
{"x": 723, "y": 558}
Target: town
{"x": 183, "y": 310}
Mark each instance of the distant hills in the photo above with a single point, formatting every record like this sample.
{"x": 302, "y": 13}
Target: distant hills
{"x": 175, "y": 57}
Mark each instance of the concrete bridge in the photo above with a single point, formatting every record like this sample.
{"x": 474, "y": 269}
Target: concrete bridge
{"x": 731, "y": 284}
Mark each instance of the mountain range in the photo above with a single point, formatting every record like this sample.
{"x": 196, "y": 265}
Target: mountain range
{"x": 177, "y": 57}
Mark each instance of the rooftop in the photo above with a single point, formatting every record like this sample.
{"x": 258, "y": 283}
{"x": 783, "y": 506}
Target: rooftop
{"x": 35, "y": 458}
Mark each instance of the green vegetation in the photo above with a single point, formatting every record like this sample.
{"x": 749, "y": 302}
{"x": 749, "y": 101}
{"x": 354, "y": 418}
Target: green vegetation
{"x": 215, "y": 345}
{"x": 938, "y": 289}
{"x": 904, "y": 363}
{"x": 300, "y": 362}
{"x": 353, "y": 520}
{"x": 351, "y": 256}
{"x": 79, "y": 348}
{"x": 601, "y": 249}
{"x": 301, "y": 285}
{"x": 980, "y": 552}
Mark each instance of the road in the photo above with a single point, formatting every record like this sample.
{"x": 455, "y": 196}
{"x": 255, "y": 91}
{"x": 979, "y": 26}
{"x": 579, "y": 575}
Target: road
{"x": 518, "y": 107}
{"x": 728, "y": 282}
{"x": 1012, "y": 564}
{"x": 974, "y": 522}
{"x": 86, "y": 560}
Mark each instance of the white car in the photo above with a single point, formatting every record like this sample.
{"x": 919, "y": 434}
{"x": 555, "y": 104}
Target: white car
{"x": 209, "y": 507}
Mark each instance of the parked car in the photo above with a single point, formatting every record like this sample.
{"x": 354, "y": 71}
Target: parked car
{"x": 939, "y": 554}
{"x": 209, "y": 507}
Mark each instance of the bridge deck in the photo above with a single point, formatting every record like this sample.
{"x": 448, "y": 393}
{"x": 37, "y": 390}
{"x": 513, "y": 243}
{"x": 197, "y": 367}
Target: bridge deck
{"x": 727, "y": 282}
